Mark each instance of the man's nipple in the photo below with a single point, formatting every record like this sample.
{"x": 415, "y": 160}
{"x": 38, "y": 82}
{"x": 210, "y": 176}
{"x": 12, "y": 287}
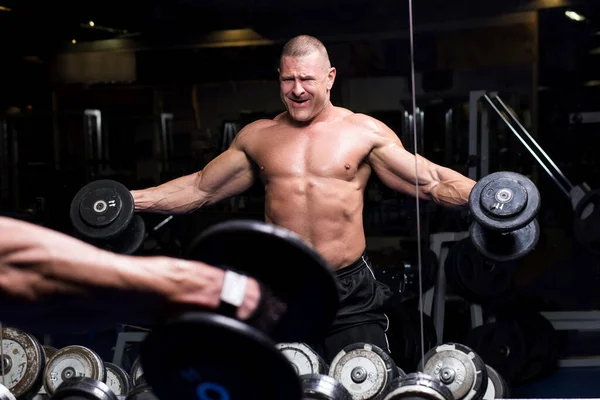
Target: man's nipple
{"x": 262, "y": 167}
{"x": 347, "y": 166}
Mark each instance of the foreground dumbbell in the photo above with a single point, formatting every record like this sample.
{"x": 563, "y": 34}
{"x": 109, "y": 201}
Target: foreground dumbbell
{"x": 102, "y": 213}
{"x": 457, "y": 367}
{"x": 206, "y": 355}
{"x": 81, "y": 387}
{"x": 417, "y": 385}
{"x": 70, "y": 362}
{"x": 23, "y": 361}
{"x": 364, "y": 369}
{"x": 504, "y": 206}
{"x": 304, "y": 359}
{"x": 323, "y": 387}
{"x": 180, "y": 357}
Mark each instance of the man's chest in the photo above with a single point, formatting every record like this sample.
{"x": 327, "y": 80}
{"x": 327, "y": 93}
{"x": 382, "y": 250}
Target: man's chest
{"x": 337, "y": 153}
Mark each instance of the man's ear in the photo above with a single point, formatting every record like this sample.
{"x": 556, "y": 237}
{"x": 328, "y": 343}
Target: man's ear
{"x": 331, "y": 77}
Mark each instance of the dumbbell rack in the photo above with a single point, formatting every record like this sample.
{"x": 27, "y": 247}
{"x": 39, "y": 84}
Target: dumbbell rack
{"x": 434, "y": 305}
{"x": 123, "y": 338}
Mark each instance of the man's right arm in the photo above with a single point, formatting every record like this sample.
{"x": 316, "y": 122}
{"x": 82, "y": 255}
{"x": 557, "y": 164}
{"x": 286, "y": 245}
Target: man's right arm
{"x": 227, "y": 175}
{"x": 53, "y": 282}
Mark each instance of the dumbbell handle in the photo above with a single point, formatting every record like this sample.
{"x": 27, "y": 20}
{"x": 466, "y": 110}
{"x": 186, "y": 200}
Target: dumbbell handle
{"x": 158, "y": 226}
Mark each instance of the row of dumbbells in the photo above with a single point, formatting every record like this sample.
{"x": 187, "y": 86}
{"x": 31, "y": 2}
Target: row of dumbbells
{"x": 363, "y": 371}
{"x": 32, "y": 371}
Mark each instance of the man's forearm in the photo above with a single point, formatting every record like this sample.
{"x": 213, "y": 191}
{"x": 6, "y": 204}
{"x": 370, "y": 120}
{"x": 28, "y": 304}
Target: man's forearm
{"x": 451, "y": 188}
{"x": 178, "y": 196}
{"x": 50, "y": 281}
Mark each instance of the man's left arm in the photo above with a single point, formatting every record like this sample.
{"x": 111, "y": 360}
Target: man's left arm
{"x": 402, "y": 171}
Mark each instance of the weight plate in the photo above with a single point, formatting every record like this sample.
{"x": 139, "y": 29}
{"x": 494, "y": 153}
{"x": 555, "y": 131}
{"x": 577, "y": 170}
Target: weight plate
{"x": 83, "y": 388}
{"x": 181, "y": 361}
{"x": 70, "y": 362}
{"x": 117, "y": 379}
{"x": 504, "y": 201}
{"x": 501, "y": 345}
{"x": 101, "y": 209}
{"x": 49, "y": 351}
{"x": 364, "y": 369}
{"x": 459, "y": 368}
{"x": 136, "y": 372}
{"x": 128, "y": 241}
{"x": 6, "y": 394}
{"x": 304, "y": 359}
{"x": 22, "y": 362}
{"x": 260, "y": 250}
{"x": 417, "y": 385}
{"x": 142, "y": 392}
{"x": 508, "y": 246}
{"x": 586, "y": 222}
{"x": 323, "y": 387}
{"x": 404, "y": 334}
{"x": 542, "y": 346}
{"x": 497, "y": 387}
{"x": 401, "y": 373}
{"x": 476, "y": 278}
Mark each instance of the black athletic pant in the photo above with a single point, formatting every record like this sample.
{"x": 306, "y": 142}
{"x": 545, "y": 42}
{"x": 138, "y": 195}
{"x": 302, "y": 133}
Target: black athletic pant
{"x": 360, "y": 317}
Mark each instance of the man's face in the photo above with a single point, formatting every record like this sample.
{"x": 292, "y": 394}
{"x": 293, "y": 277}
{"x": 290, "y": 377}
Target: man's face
{"x": 305, "y": 83}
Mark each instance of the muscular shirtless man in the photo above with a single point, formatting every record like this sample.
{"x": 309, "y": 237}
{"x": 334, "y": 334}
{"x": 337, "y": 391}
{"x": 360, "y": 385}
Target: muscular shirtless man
{"x": 314, "y": 161}
{"x": 50, "y": 282}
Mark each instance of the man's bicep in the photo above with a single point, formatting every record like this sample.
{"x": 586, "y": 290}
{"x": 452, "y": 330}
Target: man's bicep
{"x": 227, "y": 175}
{"x": 398, "y": 168}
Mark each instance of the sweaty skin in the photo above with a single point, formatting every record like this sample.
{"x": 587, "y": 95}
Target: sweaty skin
{"x": 314, "y": 161}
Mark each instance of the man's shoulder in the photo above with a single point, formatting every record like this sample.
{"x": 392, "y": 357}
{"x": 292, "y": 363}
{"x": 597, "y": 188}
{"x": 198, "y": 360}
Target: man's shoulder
{"x": 362, "y": 120}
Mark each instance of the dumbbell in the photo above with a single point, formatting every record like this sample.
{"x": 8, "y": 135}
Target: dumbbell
{"x": 303, "y": 358}
{"x": 102, "y": 213}
{"x": 504, "y": 206}
{"x": 6, "y": 394}
{"x": 458, "y": 368}
{"x": 137, "y": 373}
{"x": 23, "y": 361}
{"x": 214, "y": 355}
{"x": 364, "y": 369}
{"x": 323, "y": 387}
{"x": 82, "y": 387}
{"x": 142, "y": 392}
{"x": 417, "y": 385}
{"x": 70, "y": 362}
{"x": 117, "y": 379}
{"x": 497, "y": 387}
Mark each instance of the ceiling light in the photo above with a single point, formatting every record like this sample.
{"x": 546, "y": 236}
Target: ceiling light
{"x": 574, "y": 16}
{"x": 92, "y": 23}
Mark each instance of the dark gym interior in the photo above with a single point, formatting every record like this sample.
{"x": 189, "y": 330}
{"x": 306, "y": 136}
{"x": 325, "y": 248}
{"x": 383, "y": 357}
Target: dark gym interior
{"x": 138, "y": 94}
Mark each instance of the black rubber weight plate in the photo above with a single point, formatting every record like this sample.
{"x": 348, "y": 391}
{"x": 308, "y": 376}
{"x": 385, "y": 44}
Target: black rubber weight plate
{"x": 277, "y": 257}
{"x": 210, "y": 356}
{"x": 123, "y": 201}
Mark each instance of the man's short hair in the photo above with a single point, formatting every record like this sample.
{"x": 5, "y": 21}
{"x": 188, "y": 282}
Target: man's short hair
{"x": 304, "y": 45}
